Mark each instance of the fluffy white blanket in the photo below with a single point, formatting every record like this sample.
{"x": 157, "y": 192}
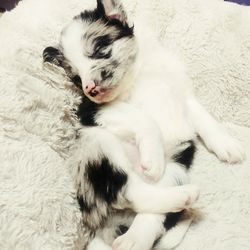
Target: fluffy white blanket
{"x": 37, "y": 205}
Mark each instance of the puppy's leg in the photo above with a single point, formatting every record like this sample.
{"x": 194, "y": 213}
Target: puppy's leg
{"x": 174, "y": 236}
{"x": 98, "y": 244}
{"x": 150, "y": 199}
{"x": 162, "y": 197}
{"x": 152, "y": 225}
{"x": 143, "y": 232}
{"x": 213, "y": 134}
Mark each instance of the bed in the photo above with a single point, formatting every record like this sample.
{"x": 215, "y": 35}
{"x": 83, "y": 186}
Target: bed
{"x": 38, "y": 209}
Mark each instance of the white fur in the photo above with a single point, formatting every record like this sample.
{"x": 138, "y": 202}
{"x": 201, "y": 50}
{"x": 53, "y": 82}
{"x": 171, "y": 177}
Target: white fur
{"x": 214, "y": 135}
{"x": 117, "y": 118}
{"x": 72, "y": 44}
{"x": 145, "y": 225}
{"x": 98, "y": 244}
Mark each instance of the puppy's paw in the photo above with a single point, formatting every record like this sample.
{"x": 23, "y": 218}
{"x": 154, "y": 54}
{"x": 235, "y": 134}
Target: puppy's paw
{"x": 153, "y": 166}
{"x": 185, "y": 197}
{"x": 128, "y": 241}
{"x": 226, "y": 148}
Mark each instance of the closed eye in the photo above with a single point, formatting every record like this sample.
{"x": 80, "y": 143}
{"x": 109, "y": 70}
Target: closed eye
{"x": 100, "y": 54}
{"x": 102, "y": 48}
{"x": 106, "y": 74}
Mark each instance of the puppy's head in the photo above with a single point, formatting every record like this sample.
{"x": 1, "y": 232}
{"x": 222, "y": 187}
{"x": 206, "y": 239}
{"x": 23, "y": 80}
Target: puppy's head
{"x": 101, "y": 47}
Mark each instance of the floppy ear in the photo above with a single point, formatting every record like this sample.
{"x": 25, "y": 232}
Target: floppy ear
{"x": 113, "y": 9}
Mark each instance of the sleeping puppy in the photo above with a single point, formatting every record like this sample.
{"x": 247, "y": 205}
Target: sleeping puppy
{"x": 141, "y": 98}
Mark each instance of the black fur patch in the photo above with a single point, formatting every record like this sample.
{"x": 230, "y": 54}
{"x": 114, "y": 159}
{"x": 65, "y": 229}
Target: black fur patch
{"x": 186, "y": 156}
{"x": 156, "y": 242}
{"x": 53, "y": 55}
{"x": 122, "y": 229}
{"x": 93, "y": 15}
{"x": 99, "y": 13}
{"x": 77, "y": 81}
{"x": 84, "y": 207}
{"x": 107, "y": 181}
{"x": 171, "y": 220}
{"x": 125, "y": 30}
{"x": 101, "y": 42}
{"x": 87, "y": 111}
{"x": 105, "y": 74}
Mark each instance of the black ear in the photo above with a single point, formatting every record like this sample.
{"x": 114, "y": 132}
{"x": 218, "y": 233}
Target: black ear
{"x": 53, "y": 55}
{"x": 112, "y": 9}
{"x": 100, "y": 8}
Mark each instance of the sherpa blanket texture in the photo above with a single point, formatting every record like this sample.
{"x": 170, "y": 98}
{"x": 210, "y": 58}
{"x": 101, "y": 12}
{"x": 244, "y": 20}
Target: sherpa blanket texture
{"x": 38, "y": 209}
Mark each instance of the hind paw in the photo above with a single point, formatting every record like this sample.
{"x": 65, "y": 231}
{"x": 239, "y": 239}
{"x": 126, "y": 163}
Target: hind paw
{"x": 227, "y": 148}
{"x": 186, "y": 197}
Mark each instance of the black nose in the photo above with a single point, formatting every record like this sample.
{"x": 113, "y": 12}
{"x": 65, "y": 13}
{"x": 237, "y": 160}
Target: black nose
{"x": 93, "y": 93}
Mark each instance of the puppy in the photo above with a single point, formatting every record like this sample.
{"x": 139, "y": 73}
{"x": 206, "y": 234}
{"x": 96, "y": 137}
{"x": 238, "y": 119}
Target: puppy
{"x": 142, "y": 100}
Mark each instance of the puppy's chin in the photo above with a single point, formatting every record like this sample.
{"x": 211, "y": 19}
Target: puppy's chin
{"x": 106, "y": 97}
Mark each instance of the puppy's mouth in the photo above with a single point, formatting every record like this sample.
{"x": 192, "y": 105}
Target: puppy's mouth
{"x": 98, "y": 94}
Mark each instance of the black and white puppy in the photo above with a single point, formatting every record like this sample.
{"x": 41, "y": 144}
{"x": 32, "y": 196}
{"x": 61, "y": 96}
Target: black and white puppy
{"x": 148, "y": 120}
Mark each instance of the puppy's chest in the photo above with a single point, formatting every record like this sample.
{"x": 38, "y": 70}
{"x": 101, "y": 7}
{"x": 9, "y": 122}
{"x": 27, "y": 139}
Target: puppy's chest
{"x": 159, "y": 98}
{"x": 156, "y": 93}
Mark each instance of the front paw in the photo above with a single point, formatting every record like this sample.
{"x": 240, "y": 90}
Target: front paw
{"x": 227, "y": 148}
{"x": 153, "y": 166}
{"x": 129, "y": 241}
